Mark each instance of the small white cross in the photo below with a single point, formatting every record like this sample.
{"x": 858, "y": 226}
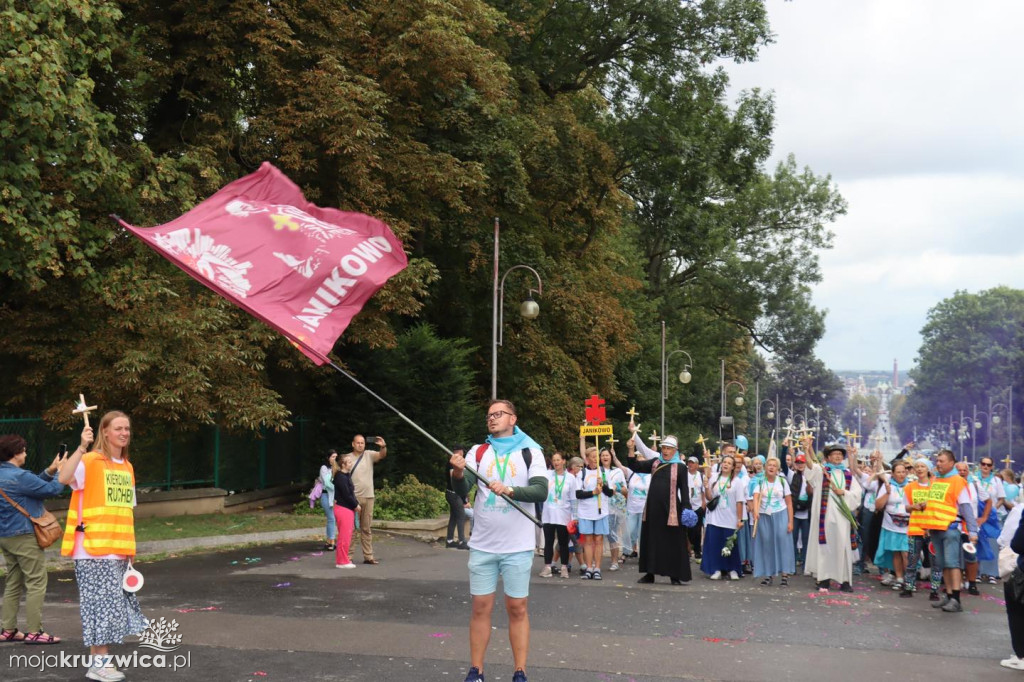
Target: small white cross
{"x": 82, "y": 409}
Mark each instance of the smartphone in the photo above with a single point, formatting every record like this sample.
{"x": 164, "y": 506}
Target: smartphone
{"x": 62, "y": 449}
{"x": 372, "y": 440}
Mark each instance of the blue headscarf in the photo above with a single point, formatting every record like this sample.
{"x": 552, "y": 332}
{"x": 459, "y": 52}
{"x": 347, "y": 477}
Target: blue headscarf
{"x": 517, "y": 441}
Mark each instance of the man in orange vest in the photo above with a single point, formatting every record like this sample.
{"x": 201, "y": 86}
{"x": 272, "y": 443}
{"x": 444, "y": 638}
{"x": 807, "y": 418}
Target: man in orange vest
{"x": 949, "y": 504}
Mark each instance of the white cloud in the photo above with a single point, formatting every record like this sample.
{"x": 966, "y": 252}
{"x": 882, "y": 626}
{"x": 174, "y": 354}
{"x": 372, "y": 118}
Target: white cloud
{"x": 908, "y": 105}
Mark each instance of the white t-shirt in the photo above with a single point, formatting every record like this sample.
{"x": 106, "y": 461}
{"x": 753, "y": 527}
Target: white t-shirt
{"x": 77, "y": 484}
{"x": 896, "y": 518}
{"x": 497, "y": 527}
{"x": 696, "y": 485}
{"x": 617, "y": 482}
{"x": 1010, "y": 525}
{"x": 992, "y": 488}
{"x": 561, "y": 493}
{"x": 870, "y": 488}
{"x": 773, "y": 495}
{"x": 637, "y": 500}
{"x": 803, "y": 494}
{"x": 724, "y": 515}
{"x": 590, "y": 481}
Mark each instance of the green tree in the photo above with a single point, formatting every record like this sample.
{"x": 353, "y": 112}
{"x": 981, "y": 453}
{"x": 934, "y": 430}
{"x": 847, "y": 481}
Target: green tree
{"x": 970, "y": 352}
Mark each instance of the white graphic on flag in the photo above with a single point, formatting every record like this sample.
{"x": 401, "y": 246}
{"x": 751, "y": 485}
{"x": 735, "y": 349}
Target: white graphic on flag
{"x": 306, "y": 268}
{"x": 318, "y": 229}
{"x": 201, "y": 253}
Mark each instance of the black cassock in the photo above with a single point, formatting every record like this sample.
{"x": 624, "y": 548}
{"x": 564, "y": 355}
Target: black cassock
{"x": 663, "y": 548}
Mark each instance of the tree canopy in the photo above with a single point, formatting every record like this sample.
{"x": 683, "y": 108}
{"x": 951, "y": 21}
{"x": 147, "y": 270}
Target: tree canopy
{"x": 970, "y": 355}
{"x": 600, "y": 134}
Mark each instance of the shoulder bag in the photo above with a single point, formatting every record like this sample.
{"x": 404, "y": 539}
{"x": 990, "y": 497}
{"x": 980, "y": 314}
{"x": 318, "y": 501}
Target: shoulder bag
{"x": 46, "y": 527}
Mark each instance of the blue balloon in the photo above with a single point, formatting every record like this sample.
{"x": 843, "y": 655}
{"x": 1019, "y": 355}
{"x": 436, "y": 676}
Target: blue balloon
{"x": 741, "y": 443}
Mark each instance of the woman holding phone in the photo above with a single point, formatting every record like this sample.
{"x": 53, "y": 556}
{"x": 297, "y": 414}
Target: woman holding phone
{"x": 26, "y": 565}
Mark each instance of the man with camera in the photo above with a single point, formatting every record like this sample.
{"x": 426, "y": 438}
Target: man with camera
{"x": 362, "y": 479}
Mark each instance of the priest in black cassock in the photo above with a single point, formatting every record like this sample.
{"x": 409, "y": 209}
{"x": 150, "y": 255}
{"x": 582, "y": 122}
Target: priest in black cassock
{"x": 663, "y": 542}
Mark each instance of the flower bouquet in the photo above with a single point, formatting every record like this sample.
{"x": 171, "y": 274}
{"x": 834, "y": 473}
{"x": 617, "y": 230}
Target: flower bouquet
{"x": 729, "y": 545}
{"x": 688, "y": 518}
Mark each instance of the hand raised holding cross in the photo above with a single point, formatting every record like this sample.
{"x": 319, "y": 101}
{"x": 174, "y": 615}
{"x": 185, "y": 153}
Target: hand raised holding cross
{"x": 82, "y": 409}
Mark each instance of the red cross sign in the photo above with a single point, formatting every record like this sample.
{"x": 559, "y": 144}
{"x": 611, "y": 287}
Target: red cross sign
{"x": 595, "y": 409}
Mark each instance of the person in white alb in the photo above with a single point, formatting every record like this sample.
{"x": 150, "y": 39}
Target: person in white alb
{"x": 503, "y": 539}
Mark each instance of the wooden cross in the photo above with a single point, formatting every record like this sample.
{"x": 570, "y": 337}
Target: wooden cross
{"x": 1007, "y": 461}
{"x": 701, "y": 440}
{"x": 82, "y": 409}
{"x": 611, "y": 442}
{"x": 654, "y": 438}
{"x": 632, "y": 413}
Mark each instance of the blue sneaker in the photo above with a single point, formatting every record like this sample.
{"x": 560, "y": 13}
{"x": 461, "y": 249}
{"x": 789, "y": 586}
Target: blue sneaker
{"x": 519, "y": 676}
{"x": 474, "y": 675}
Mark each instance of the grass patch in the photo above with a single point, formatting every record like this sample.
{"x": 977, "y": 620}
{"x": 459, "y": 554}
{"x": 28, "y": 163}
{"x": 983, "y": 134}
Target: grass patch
{"x": 206, "y": 525}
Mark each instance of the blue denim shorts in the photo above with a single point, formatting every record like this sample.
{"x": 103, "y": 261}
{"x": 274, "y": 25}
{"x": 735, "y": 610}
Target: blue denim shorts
{"x": 948, "y": 550}
{"x": 514, "y": 568}
{"x": 590, "y": 527}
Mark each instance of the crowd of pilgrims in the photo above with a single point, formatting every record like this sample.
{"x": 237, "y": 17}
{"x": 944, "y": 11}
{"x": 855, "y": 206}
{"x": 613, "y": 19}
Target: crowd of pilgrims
{"x": 827, "y": 516}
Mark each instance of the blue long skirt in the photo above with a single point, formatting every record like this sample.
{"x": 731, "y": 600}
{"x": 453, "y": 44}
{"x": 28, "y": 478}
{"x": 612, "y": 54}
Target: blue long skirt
{"x": 773, "y": 546}
{"x": 711, "y": 558}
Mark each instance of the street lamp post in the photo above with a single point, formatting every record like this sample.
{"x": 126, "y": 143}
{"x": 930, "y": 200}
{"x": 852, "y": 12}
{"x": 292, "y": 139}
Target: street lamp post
{"x": 1009, "y": 417}
{"x": 860, "y": 412}
{"x": 995, "y": 419}
{"x": 757, "y": 418}
{"x": 528, "y": 309}
{"x": 684, "y": 376}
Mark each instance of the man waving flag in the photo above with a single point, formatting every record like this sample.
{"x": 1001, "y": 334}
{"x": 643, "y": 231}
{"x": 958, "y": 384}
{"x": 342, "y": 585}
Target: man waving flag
{"x": 302, "y": 269}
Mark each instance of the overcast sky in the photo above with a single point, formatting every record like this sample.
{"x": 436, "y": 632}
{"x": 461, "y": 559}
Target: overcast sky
{"x": 916, "y": 110}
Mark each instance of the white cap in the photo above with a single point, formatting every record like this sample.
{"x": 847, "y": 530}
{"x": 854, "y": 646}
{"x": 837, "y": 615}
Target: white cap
{"x": 670, "y": 442}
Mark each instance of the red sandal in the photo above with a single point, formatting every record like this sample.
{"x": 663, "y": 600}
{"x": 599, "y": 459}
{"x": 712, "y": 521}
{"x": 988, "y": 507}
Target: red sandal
{"x": 11, "y": 636}
{"x": 41, "y": 638}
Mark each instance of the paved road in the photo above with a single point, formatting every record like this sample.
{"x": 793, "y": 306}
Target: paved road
{"x": 291, "y": 615}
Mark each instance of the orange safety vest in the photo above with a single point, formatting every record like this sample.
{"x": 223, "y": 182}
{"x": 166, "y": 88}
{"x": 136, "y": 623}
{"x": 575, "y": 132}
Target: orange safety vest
{"x": 916, "y": 494}
{"x": 107, "y": 502}
{"x": 942, "y": 502}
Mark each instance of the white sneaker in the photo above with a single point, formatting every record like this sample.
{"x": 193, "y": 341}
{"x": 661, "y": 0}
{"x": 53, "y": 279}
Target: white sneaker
{"x": 565, "y": 571}
{"x": 717, "y": 575}
{"x": 105, "y": 674}
{"x": 733, "y": 575}
{"x": 887, "y": 580}
{"x": 613, "y": 567}
{"x": 1013, "y": 662}
{"x": 348, "y": 565}
{"x": 546, "y": 573}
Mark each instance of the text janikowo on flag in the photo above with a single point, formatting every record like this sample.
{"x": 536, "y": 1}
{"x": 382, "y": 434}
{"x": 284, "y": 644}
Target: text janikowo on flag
{"x": 302, "y": 269}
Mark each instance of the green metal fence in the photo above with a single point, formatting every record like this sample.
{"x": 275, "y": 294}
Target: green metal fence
{"x": 209, "y": 456}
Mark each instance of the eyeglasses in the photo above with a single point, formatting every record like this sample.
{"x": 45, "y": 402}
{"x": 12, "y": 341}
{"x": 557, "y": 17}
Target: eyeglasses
{"x": 497, "y": 415}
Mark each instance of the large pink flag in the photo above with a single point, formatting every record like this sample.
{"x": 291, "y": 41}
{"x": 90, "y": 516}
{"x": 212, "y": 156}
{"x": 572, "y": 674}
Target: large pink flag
{"x": 302, "y": 269}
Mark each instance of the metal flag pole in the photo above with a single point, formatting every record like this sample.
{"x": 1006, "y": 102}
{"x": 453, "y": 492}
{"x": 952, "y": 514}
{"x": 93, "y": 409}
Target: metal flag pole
{"x": 435, "y": 441}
